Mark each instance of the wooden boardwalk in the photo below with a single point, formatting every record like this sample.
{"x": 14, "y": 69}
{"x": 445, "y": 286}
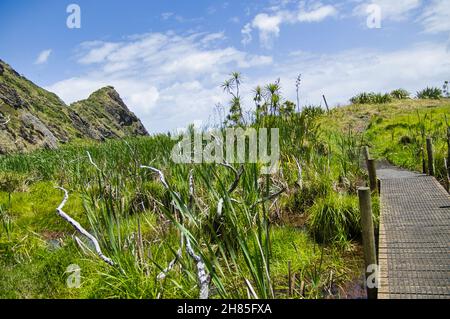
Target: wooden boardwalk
{"x": 414, "y": 239}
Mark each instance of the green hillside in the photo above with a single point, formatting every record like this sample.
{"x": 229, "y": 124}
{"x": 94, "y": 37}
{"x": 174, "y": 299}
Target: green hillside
{"x": 244, "y": 226}
{"x": 40, "y": 119}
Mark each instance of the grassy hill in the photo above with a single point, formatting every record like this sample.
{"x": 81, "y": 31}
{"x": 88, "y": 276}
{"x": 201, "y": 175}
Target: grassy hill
{"x": 306, "y": 215}
{"x": 32, "y": 118}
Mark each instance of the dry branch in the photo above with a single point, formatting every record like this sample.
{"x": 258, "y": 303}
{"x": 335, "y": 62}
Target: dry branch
{"x": 92, "y": 162}
{"x": 237, "y": 175}
{"x": 202, "y": 275}
{"x": 161, "y": 175}
{"x": 172, "y": 263}
{"x": 270, "y": 197}
{"x": 300, "y": 172}
{"x": 80, "y": 228}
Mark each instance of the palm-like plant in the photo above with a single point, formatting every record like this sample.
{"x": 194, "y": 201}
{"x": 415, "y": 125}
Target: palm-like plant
{"x": 258, "y": 98}
{"x": 235, "y": 115}
{"x": 231, "y": 86}
{"x": 228, "y": 86}
{"x": 236, "y": 78}
{"x": 272, "y": 94}
{"x": 297, "y": 87}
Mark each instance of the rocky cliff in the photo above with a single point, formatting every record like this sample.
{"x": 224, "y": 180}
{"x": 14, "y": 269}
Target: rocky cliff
{"x": 31, "y": 117}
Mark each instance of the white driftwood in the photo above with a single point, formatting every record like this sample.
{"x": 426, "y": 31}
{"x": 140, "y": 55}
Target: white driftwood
{"x": 300, "y": 172}
{"x": 237, "y": 175}
{"x": 191, "y": 188}
{"x": 92, "y": 162}
{"x": 202, "y": 275}
{"x": 172, "y": 263}
{"x": 161, "y": 175}
{"x": 80, "y": 228}
{"x": 270, "y": 197}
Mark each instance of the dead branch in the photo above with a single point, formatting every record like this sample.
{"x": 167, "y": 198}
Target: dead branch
{"x": 191, "y": 188}
{"x": 237, "y": 174}
{"x": 172, "y": 263}
{"x": 92, "y": 162}
{"x": 80, "y": 228}
{"x": 270, "y": 197}
{"x": 300, "y": 171}
{"x": 161, "y": 175}
{"x": 203, "y": 277}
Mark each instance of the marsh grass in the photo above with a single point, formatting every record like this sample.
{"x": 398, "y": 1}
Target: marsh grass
{"x": 245, "y": 246}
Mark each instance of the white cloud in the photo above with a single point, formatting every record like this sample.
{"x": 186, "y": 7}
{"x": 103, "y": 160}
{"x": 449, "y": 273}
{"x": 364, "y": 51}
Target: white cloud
{"x": 160, "y": 75}
{"x": 246, "y": 34}
{"x": 342, "y": 75}
{"x": 98, "y": 54}
{"x": 268, "y": 27}
{"x": 166, "y": 15}
{"x": 170, "y": 80}
{"x": 317, "y": 15}
{"x": 397, "y": 10}
{"x": 43, "y": 57}
{"x": 268, "y": 24}
{"x": 436, "y": 17}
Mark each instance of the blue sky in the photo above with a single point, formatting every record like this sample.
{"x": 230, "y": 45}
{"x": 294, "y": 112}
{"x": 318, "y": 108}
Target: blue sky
{"x": 167, "y": 59}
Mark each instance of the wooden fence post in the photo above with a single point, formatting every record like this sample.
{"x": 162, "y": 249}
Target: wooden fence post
{"x": 290, "y": 279}
{"x": 448, "y": 151}
{"x": 446, "y": 176}
{"x": 366, "y": 153}
{"x": 368, "y": 236}
{"x": 424, "y": 162}
{"x": 326, "y": 103}
{"x": 430, "y": 156}
{"x": 371, "y": 167}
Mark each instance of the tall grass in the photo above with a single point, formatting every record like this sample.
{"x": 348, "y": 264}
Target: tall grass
{"x": 141, "y": 224}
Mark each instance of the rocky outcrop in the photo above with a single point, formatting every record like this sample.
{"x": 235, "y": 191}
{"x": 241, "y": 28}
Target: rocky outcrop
{"x": 10, "y": 96}
{"x": 31, "y": 126}
{"x": 40, "y": 119}
{"x": 105, "y": 116}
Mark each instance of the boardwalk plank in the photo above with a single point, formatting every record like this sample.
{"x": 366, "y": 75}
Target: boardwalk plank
{"x": 414, "y": 240}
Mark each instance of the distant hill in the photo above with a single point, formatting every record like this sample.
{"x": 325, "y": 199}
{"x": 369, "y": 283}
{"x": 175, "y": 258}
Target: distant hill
{"x": 37, "y": 118}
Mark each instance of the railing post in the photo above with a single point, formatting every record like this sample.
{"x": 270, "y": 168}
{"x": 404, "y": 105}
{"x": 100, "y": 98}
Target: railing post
{"x": 430, "y": 156}
{"x": 446, "y": 176}
{"x": 448, "y": 151}
{"x": 371, "y": 167}
{"x": 290, "y": 287}
{"x": 326, "y": 103}
{"x": 366, "y": 153}
{"x": 368, "y": 237}
{"x": 424, "y": 162}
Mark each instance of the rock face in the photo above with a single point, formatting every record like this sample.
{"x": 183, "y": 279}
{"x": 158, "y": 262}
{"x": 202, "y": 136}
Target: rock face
{"x": 37, "y": 118}
{"x": 105, "y": 116}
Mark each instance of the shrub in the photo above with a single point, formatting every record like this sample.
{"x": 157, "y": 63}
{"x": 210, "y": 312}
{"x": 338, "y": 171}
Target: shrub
{"x": 430, "y": 93}
{"x": 371, "y": 98}
{"x": 11, "y": 182}
{"x": 400, "y": 94}
{"x": 405, "y": 140}
{"x": 313, "y": 111}
{"x": 335, "y": 218}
